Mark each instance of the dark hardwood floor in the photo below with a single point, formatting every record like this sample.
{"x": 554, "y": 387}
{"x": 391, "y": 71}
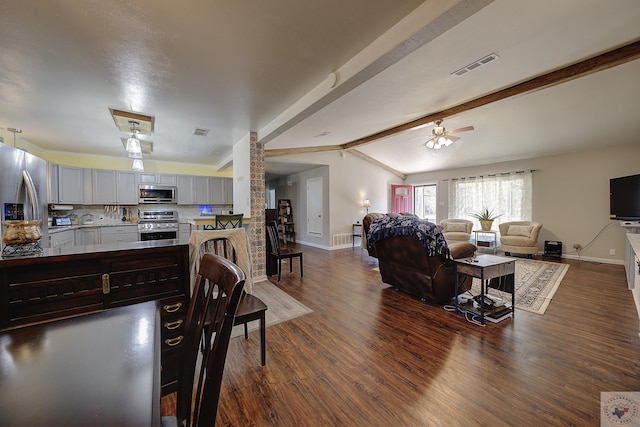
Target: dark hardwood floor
{"x": 371, "y": 356}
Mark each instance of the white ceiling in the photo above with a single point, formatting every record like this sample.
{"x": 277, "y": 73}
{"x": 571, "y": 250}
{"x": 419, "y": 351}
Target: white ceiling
{"x": 236, "y": 67}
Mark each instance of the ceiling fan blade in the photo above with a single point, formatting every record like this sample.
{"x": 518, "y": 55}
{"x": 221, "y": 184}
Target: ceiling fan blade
{"x": 453, "y": 138}
{"x": 464, "y": 129}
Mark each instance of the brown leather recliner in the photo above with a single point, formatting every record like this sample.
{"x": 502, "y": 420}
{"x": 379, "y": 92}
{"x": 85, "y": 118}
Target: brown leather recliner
{"x": 405, "y": 266}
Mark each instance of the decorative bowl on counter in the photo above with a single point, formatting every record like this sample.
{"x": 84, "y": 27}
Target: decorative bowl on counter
{"x": 21, "y": 232}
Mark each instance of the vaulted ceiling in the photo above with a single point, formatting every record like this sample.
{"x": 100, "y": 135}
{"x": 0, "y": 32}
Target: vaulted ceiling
{"x": 352, "y": 75}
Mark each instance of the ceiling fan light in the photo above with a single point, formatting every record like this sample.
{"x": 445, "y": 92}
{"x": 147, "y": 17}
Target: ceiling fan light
{"x": 133, "y": 145}
{"x": 430, "y": 144}
{"x": 448, "y": 142}
{"x": 137, "y": 165}
{"x": 437, "y": 146}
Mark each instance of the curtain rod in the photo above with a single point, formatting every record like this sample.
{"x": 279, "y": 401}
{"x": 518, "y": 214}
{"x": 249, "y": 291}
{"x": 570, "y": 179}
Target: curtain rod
{"x": 494, "y": 174}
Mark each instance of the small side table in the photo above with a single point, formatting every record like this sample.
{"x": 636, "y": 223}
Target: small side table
{"x": 356, "y": 231}
{"x": 495, "y": 239}
{"x": 496, "y": 272}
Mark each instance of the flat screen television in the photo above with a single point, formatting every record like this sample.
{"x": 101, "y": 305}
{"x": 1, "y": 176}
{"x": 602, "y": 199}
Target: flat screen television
{"x": 624, "y": 198}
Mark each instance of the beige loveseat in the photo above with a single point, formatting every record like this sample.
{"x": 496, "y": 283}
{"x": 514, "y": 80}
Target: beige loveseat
{"x": 520, "y": 237}
{"x": 456, "y": 230}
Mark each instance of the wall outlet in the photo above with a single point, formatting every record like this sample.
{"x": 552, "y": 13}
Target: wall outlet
{"x": 612, "y": 251}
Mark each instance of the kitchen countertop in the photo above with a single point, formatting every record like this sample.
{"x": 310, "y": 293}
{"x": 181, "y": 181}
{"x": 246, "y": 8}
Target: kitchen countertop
{"x": 108, "y": 247}
{"x": 58, "y": 229}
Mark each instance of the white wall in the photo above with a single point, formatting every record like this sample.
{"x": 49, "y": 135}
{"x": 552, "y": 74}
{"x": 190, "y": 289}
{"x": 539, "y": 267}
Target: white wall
{"x": 242, "y": 178}
{"x": 347, "y": 182}
{"x": 570, "y": 196}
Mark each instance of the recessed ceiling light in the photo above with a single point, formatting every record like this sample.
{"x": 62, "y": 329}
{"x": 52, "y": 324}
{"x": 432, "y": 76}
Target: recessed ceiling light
{"x": 320, "y": 135}
{"x": 200, "y": 132}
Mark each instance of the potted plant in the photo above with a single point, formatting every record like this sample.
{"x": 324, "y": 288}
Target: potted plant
{"x": 486, "y": 218}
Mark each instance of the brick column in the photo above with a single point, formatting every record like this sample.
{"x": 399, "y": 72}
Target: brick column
{"x": 258, "y": 203}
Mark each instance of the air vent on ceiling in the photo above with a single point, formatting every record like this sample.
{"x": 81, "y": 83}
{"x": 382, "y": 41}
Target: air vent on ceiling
{"x": 200, "y": 132}
{"x": 144, "y": 123}
{"x": 145, "y": 146}
{"x": 477, "y": 64}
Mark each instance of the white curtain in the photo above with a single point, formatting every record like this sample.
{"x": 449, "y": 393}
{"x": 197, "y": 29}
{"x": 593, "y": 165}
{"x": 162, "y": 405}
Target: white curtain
{"x": 508, "y": 195}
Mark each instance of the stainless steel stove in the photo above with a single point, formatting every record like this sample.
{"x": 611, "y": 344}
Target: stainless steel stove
{"x": 157, "y": 224}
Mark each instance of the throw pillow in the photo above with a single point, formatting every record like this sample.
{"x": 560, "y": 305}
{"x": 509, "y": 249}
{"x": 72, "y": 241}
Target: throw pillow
{"x": 519, "y": 230}
{"x": 456, "y": 226}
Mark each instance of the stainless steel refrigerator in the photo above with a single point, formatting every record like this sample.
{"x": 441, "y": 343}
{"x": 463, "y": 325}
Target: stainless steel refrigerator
{"x": 23, "y": 189}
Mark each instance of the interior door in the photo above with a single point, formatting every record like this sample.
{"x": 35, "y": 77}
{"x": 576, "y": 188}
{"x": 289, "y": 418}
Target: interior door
{"x": 401, "y": 198}
{"x": 314, "y": 207}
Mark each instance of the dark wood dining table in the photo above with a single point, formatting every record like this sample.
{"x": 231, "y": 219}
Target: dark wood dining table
{"x": 99, "y": 369}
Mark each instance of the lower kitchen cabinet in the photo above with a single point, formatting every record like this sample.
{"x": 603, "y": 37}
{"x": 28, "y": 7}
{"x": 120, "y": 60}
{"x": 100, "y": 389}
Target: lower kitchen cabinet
{"x": 62, "y": 239}
{"x": 88, "y": 236}
{"x": 119, "y": 234}
{"x": 50, "y": 287}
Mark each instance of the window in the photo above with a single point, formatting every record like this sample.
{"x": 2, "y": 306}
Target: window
{"x": 425, "y": 201}
{"x": 508, "y": 195}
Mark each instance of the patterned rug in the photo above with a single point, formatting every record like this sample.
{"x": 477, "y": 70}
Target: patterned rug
{"x": 281, "y": 307}
{"x": 535, "y": 281}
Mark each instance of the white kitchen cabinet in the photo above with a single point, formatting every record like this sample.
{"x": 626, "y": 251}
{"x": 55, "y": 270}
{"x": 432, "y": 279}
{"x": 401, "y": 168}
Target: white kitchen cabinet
{"x": 184, "y": 231}
{"x": 87, "y": 236}
{"x": 52, "y": 183}
{"x": 157, "y": 178}
{"x": 221, "y": 190}
{"x": 202, "y": 190}
{"x": 114, "y": 187}
{"x": 119, "y": 234}
{"x": 185, "y": 189}
{"x": 72, "y": 183}
{"x": 62, "y": 239}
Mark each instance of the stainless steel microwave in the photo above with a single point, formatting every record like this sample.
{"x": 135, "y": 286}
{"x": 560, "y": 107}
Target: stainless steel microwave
{"x": 150, "y": 193}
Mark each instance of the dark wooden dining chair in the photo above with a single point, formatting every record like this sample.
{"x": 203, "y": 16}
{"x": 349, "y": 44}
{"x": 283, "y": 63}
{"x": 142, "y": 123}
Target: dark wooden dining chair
{"x": 217, "y": 290}
{"x": 228, "y": 221}
{"x": 282, "y": 253}
{"x": 251, "y": 307}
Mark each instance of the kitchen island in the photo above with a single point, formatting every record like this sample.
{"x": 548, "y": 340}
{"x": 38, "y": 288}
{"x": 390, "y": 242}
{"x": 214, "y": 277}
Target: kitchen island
{"x": 76, "y": 280}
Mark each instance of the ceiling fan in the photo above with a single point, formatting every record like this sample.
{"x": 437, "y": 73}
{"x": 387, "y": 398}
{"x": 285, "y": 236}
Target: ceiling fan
{"x": 442, "y": 138}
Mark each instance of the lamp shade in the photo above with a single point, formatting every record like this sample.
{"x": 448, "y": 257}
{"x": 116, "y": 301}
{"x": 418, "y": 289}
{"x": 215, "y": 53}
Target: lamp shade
{"x": 133, "y": 145}
{"x": 366, "y": 203}
{"x": 138, "y": 165}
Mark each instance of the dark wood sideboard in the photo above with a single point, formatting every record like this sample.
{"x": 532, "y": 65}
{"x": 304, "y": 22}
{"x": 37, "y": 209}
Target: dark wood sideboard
{"x": 59, "y": 285}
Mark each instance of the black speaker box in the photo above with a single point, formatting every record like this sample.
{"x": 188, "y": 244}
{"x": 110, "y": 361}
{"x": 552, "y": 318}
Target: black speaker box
{"x": 552, "y": 249}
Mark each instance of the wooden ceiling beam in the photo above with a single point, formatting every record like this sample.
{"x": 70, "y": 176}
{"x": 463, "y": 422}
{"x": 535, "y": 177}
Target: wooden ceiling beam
{"x": 621, "y": 55}
{"x": 300, "y": 150}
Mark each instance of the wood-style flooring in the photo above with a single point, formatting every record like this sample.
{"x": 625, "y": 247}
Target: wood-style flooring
{"x": 369, "y": 355}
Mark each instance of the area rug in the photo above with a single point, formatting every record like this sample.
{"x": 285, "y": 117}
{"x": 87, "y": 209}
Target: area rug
{"x": 281, "y": 307}
{"x": 535, "y": 281}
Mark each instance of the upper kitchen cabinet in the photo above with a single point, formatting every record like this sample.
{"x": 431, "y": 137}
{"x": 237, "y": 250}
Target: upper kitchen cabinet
{"x": 193, "y": 190}
{"x": 52, "y": 183}
{"x": 74, "y": 185}
{"x": 114, "y": 187}
{"x": 186, "y": 190}
{"x": 157, "y": 178}
{"x": 221, "y": 190}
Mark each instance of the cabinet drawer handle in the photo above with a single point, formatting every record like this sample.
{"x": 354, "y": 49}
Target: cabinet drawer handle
{"x": 173, "y": 325}
{"x": 172, "y": 308}
{"x": 172, "y": 342}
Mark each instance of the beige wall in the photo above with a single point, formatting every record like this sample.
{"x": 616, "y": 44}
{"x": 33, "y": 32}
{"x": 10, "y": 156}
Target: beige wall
{"x": 570, "y": 196}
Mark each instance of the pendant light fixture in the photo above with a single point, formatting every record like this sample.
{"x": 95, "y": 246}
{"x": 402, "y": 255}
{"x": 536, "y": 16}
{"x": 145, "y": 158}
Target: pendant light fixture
{"x": 138, "y": 166}
{"x": 133, "y": 143}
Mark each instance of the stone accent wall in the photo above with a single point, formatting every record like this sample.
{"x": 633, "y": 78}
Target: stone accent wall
{"x": 258, "y": 203}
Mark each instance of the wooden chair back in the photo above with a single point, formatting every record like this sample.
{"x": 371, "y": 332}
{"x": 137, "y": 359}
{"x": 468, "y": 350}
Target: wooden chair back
{"x": 217, "y": 291}
{"x": 229, "y": 221}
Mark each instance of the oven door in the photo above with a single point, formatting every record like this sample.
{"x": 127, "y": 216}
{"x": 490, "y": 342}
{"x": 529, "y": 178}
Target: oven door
{"x": 158, "y": 235}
